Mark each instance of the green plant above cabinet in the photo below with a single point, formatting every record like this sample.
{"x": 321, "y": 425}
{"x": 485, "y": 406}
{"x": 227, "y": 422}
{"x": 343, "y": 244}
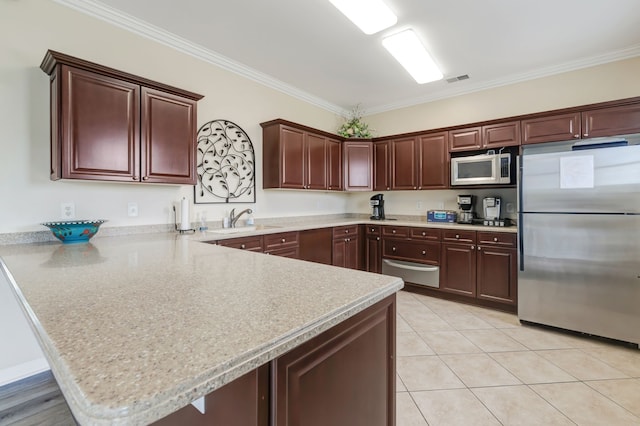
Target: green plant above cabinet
{"x": 114, "y": 126}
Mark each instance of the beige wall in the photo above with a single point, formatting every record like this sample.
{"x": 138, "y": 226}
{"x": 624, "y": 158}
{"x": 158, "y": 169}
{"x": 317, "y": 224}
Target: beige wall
{"x": 616, "y": 80}
{"x": 29, "y": 27}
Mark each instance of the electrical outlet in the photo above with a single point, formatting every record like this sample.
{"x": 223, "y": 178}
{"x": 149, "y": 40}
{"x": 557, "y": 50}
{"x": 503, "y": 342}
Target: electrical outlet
{"x": 510, "y": 208}
{"x": 440, "y": 205}
{"x": 67, "y": 211}
{"x": 418, "y": 205}
{"x": 132, "y": 209}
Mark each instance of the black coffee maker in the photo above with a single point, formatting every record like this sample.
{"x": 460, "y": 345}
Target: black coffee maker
{"x": 377, "y": 203}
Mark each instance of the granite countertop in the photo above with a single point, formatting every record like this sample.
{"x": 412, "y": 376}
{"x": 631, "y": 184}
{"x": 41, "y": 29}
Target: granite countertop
{"x": 273, "y": 227}
{"x": 136, "y": 327}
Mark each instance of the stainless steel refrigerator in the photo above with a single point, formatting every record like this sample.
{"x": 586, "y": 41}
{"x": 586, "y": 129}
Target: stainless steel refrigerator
{"x": 579, "y": 237}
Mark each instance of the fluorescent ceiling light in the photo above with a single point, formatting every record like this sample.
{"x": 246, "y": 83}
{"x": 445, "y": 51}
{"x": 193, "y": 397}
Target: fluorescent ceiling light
{"x": 412, "y": 55}
{"x": 370, "y": 16}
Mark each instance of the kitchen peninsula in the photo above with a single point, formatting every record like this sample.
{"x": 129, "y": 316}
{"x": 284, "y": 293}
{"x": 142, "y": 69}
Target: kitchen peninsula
{"x": 137, "y": 327}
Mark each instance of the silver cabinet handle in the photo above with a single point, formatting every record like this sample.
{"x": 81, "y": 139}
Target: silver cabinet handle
{"x": 424, "y": 252}
{"x": 576, "y": 136}
{"x": 393, "y": 249}
{"x": 242, "y": 246}
{"x": 135, "y": 178}
{"x": 283, "y": 240}
{"x": 457, "y": 236}
{"x": 473, "y": 247}
{"x": 586, "y": 135}
{"x": 145, "y": 178}
{"x": 479, "y": 248}
{"x": 495, "y": 239}
{"x": 393, "y": 231}
{"x": 377, "y": 238}
{"x": 413, "y": 267}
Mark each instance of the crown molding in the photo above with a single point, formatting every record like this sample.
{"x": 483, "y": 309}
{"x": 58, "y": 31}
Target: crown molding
{"x": 618, "y": 55}
{"x": 115, "y": 17}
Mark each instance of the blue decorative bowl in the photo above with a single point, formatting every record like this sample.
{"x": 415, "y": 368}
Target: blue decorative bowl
{"x": 75, "y": 231}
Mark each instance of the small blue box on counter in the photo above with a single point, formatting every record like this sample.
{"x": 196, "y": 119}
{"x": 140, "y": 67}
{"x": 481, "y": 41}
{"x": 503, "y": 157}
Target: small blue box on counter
{"x": 446, "y": 216}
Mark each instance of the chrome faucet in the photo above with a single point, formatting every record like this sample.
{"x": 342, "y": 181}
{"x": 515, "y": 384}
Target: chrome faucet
{"x": 233, "y": 218}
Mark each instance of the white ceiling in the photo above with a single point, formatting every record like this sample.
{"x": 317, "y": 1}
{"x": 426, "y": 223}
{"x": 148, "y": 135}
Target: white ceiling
{"x": 309, "y": 49}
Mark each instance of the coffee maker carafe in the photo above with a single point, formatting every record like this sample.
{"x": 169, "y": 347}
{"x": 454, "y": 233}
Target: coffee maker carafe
{"x": 377, "y": 202}
{"x": 466, "y": 215}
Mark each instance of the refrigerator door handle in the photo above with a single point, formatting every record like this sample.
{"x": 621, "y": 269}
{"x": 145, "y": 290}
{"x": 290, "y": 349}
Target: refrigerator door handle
{"x": 520, "y": 215}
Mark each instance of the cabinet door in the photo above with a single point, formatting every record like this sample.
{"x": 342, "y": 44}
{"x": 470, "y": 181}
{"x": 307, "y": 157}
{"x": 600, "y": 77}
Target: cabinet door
{"x": 458, "y": 269}
{"x": 292, "y": 158}
{"x": 358, "y": 165}
{"x": 316, "y": 162}
{"x": 168, "y": 138}
{"x": 432, "y": 161}
{"x": 344, "y": 376}
{"x": 465, "y": 139}
{"x": 99, "y": 128}
{"x": 404, "y": 164}
{"x": 244, "y": 243}
{"x": 611, "y": 121}
{"x": 334, "y": 156}
{"x": 497, "y": 274}
{"x": 373, "y": 256}
{"x": 502, "y": 134}
{"x": 551, "y": 129}
{"x": 352, "y": 253}
{"x": 382, "y": 164}
{"x": 339, "y": 255}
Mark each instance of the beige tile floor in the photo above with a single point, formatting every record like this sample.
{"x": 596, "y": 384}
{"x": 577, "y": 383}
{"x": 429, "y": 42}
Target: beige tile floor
{"x": 465, "y": 365}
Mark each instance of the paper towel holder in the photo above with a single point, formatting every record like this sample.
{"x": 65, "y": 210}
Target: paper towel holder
{"x": 175, "y": 222}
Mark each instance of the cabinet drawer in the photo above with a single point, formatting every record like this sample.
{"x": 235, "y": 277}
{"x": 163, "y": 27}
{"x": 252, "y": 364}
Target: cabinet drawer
{"x": 431, "y": 234}
{"x": 411, "y": 250}
{"x": 396, "y": 231}
{"x": 502, "y": 239}
{"x": 292, "y": 252}
{"x": 285, "y": 239}
{"x": 459, "y": 236}
{"x": 244, "y": 243}
{"x": 373, "y": 229}
{"x": 345, "y": 231}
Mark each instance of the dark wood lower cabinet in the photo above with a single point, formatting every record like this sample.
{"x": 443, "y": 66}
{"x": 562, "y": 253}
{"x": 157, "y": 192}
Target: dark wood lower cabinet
{"x": 243, "y": 402}
{"x": 497, "y": 278}
{"x": 458, "y": 269}
{"x": 343, "y": 377}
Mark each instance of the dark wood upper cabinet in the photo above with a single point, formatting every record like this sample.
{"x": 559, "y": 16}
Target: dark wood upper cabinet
{"x": 465, "y": 139}
{"x": 404, "y": 164}
{"x": 358, "y": 165}
{"x": 110, "y": 125}
{"x": 298, "y": 157}
{"x": 593, "y": 123}
{"x": 381, "y": 166}
{"x": 432, "y": 161}
{"x": 501, "y": 134}
{"x": 334, "y": 156}
{"x": 316, "y": 164}
{"x": 484, "y": 137}
{"x": 168, "y": 129}
{"x": 550, "y": 129}
{"x": 612, "y": 121}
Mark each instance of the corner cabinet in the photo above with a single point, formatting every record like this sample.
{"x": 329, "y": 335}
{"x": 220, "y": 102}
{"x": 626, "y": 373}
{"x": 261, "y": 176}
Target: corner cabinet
{"x": 112, "y": 126}
{"x": 298, "y": 157}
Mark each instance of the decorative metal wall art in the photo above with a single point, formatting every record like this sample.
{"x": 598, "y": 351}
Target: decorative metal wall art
{"x": 226, "y": 164}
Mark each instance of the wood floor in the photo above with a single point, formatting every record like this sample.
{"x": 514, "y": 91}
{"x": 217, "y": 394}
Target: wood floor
{"x": 36, "y": 400}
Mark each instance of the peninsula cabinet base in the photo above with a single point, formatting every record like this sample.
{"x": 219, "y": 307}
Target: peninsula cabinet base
{"x": 342, "y": 377}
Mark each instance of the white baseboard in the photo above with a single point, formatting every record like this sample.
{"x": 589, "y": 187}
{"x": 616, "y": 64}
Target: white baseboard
{"x": 21, "y": 371}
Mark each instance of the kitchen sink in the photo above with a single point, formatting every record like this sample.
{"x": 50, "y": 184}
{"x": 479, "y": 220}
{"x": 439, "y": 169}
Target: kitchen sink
{"x": 242, "y": 229}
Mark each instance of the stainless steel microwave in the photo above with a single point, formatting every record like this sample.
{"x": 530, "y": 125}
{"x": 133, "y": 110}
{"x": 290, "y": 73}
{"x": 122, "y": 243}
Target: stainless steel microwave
{"x": 484, "y": 169}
